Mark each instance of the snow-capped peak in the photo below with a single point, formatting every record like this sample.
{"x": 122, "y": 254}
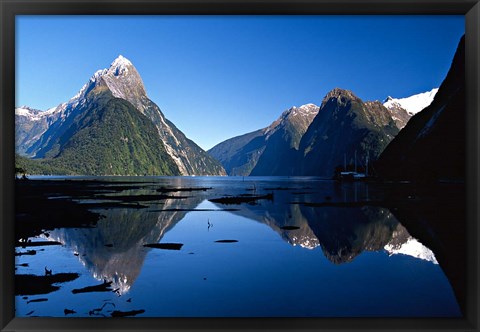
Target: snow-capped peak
{"x": 308, "y": 108}
{"x": 412, "y": 104}
{"x": 304, "y": 110}
{"x": 120, "y": 65}
{"x": 412, "y": 247}
{"x": 121, "y": 78}
{"x": 121, "y": 61}
{"x": 34, "y": 114}
{"x": 24, "y": 111}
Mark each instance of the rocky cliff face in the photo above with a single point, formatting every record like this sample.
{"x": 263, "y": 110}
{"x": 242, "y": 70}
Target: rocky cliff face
{"x": 344, "y": 126}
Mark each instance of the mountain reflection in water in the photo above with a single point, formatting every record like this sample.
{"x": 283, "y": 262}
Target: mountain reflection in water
{"x": 114, "y": 251}
{"x": 212, "y": 233}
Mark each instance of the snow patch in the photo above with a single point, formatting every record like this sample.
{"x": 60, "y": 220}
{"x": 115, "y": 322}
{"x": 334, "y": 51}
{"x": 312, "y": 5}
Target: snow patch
{"x": 412, "y": 248}
{"x": 412, "y": 104}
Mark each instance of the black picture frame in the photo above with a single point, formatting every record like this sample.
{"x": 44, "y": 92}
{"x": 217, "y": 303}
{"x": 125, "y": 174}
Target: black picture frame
{"x": 10, "y": 8}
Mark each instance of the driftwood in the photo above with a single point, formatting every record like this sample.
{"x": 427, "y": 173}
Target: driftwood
{"x": 103, "y": 287}
{"x": 118, "y": 313}
{"x": 29, "y": 284}
{"x": 241, "y": 199}
{"x": 167, "y": 246}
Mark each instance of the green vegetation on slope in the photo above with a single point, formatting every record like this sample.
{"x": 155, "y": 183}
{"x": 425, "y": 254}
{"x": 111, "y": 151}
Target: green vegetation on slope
{"x": 110, "y": 137}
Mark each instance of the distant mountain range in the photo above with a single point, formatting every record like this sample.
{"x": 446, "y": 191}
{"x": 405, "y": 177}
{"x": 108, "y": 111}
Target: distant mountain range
{"x": 267, "y": 151}
{"x": 314, "y": 140}
{"x": 110, "y": 127}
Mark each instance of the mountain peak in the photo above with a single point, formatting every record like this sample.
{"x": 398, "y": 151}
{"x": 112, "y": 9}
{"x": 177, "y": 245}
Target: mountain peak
{"x": 121, "y": 61}
{"x": 338, "y": 93}
{"x": 121, "y": 78}
{"x": 120, "y": 66}
{"x": 340, "y": 96}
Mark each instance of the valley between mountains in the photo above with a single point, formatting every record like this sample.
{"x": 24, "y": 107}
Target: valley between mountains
{"x": 111, "y": 127}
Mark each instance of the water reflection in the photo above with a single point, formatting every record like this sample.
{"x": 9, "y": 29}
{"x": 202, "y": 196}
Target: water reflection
{"x": 342, "y": 233}
{"x": 114, "y": 251}
{"x": 330, "y": 237}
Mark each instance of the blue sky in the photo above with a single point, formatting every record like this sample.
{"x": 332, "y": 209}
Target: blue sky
{"x": 216, "y": 77}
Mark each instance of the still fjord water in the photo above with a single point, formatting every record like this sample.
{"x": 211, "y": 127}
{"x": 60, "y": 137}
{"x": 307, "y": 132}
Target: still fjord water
{"x": 288, "y": 258}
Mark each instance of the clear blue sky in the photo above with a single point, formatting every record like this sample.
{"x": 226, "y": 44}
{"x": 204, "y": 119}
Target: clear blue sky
{"x": 216, "y": 77}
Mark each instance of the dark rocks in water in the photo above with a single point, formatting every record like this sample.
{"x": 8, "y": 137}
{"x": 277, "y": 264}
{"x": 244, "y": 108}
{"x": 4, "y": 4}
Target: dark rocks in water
{"x": 192, "y": 210}
{"x": 289, "y": 228}
{"x": 118, "y": 313}
{"x": 109, "y": 245}
{"x": 103, "y": 287}
{"x": 139, "y": 198}
{"x": 241, "y": 199}
{"x": 113, "y": 205}
{"x": 35, "y": 213}
{"x": 69, "y": 312}
{"x": 166, "y": 246}
{"x": 37, "y": 244}
{"x": 29, "y": 284}
{"x": 172, "y": 190}
{"x": 226, "y": 241}
{"x": 28, "y": 252}
{"x": 38, "y": 300}
{"x": 98, "y": 311}
{"x": 278, "y": 188}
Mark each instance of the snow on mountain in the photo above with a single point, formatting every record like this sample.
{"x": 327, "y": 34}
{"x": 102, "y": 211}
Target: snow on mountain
{"x": 123, "y": 81}
{"x": 303, "y": 114}
{"x": 33, "y": 114}
{"x": 412, "y": 104}
{"x": 412, "y": 247}
{"x": 121, "y": 78}
{"x": 25, "y": 111}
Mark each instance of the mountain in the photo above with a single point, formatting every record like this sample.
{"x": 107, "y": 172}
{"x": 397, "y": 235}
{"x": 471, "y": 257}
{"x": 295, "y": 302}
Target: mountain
{"x": 30, "y": 124}
{"x": 412, "y": 104}
{"x": 432, "y": 144}
{"x": 282, "y": 139}
{"x": 397, "y": 112}
{"x": 403, "y": 109}
{"x": 311, "y": 140}
{"x": 112, "y": 127}
{"x": 343, "y": 127}
{"x": 239, "y": 155}
{"x": 264, "y": 151}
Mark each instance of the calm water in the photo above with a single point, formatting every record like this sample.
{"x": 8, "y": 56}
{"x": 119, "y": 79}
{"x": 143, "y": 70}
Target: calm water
{"x": 290, "y": 260}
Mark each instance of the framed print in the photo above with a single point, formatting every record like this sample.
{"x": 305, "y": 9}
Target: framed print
{"x": 239, "y": 165}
